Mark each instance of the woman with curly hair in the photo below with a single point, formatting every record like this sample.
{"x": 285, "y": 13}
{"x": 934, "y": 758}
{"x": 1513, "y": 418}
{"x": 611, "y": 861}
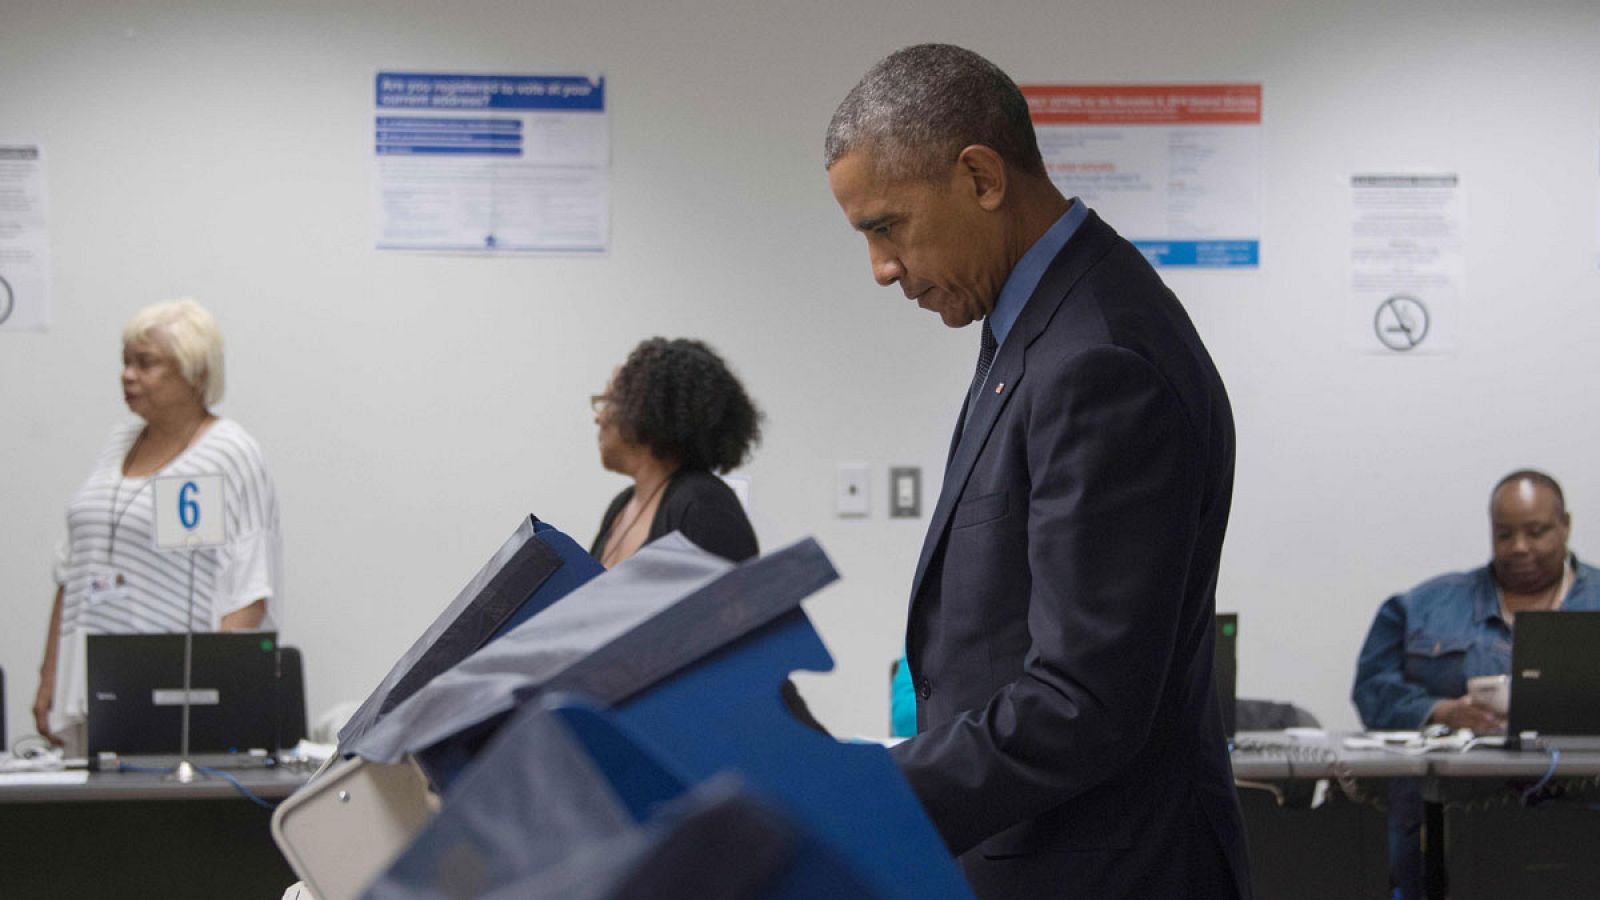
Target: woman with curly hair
{"x": 670, "y": 417}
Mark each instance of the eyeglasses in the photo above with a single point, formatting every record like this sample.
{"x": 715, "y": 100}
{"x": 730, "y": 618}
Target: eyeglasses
{"x": 597, "y": 402}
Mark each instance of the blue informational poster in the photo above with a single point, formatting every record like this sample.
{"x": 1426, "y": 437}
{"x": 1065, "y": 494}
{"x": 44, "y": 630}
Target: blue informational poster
{"x": 491, "y": 163}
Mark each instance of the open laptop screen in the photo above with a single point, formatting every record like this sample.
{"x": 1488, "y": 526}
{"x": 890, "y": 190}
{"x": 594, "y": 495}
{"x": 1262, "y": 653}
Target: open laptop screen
{"x": 136, "y": 693}
{"x": 1555, "y": 674}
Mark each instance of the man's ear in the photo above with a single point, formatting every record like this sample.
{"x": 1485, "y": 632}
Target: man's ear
{"x": 984, "y": 174}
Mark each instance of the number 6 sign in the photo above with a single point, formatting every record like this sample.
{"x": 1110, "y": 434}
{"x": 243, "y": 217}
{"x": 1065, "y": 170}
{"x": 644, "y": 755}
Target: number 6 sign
{"x": 189, "y": 512}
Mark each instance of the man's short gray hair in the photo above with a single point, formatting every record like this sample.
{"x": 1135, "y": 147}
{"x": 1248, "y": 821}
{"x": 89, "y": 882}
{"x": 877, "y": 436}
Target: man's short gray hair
{"x": 917, "y": 108}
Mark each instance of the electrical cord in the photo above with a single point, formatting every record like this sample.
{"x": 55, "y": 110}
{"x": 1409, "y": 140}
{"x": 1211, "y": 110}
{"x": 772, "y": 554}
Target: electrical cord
{"x": 238, "y": 786}
{"x": 1342, "y": 774}
{"x": 219, "y": 773}
{"x": 1578, "y": 791}
{"x": 31, "y": 746}
{"x": 1548, "y": 788}
{"x": 32, "y": 753}
{"x": 1529, "y": 794}
{"x": 1278, "y": 797}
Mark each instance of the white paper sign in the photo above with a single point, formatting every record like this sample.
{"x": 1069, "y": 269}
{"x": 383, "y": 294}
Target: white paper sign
{"x": 190, "y": 512}
{"x": 24, "y": 240}
{"x": 1405, "y": 263}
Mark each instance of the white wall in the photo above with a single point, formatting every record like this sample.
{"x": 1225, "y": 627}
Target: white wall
{"x": 413, "y": 407}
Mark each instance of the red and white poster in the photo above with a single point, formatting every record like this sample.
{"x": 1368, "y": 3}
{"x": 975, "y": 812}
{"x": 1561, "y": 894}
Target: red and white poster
{"x": 1176, "y": 168}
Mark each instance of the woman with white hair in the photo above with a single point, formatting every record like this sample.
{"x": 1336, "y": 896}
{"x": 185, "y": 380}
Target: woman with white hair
{"x": 110, "y": 578}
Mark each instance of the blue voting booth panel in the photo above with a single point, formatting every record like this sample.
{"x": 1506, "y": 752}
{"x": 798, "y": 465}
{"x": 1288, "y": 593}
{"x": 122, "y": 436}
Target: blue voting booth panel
{"x": 624, "y": 746}
{"x": 537, "y": 819}
{"x": 724, "y": 714}
{"x": 807, "y": 866}
{"x": 552, "y": 792}
{"x": 577, "y": 567}
{"x": 534, "y": 568}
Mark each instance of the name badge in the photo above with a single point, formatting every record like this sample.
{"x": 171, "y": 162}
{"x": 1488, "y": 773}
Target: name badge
{"x": 108, "y": 594}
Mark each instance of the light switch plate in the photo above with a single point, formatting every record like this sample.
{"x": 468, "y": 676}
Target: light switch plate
{"x": 905, "y": 492}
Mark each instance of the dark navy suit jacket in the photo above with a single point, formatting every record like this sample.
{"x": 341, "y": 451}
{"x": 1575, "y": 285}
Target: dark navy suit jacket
{"x": 1060, "y": 635}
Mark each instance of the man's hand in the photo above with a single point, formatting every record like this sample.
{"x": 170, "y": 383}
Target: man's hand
{"x": 41, "y": 709}
{"x": 1463, "y": 713}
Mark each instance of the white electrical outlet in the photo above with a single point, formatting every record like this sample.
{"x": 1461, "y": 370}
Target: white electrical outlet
{"x": 852, "y": 495}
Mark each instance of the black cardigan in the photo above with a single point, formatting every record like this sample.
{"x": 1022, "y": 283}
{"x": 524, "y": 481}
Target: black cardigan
{"x": 700, "y": 505}
{"x": 707, "y": 511}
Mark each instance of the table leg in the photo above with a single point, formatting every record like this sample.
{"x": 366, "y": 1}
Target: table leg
{"x": 1435, "y": 880}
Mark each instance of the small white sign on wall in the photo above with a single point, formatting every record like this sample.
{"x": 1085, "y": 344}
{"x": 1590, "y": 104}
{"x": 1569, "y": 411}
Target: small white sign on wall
{"x": 24, "y": 239}
{"x": 1405, "y": 263}
{"x": 190, "y": 512}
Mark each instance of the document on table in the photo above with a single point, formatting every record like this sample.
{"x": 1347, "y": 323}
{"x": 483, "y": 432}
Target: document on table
{"x": 35, "y": 779}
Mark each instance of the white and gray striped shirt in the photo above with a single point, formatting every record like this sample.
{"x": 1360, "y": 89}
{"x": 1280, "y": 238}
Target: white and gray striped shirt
{"x": 111, "y": 532}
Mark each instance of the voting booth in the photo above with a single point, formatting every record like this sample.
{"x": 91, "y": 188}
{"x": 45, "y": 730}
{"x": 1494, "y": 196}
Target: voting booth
{"x": 565, "y": 731}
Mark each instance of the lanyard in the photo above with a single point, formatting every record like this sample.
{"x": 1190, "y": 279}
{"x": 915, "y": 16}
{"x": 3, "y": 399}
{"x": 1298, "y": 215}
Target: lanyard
{"x": 116, "y": 515}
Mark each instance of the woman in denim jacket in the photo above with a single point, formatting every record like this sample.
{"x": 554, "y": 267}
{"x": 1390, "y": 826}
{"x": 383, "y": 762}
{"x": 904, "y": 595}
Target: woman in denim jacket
{"x": 1427, "y": 642}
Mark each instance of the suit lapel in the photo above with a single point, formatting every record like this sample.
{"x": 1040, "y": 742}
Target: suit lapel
{"x": 955, "y": 439}
{"x": 1004, "y": 374}
{"x": 1087, "y": 245}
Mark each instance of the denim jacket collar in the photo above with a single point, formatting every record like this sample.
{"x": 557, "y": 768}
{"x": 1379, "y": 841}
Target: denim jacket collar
{"x": 1486, "y": 599}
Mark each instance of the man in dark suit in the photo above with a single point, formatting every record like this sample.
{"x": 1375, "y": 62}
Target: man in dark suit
{"x": 1060, "y": 636}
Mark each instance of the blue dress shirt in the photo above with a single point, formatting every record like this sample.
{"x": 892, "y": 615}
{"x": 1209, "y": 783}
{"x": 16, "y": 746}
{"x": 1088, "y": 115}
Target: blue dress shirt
{"x": 1030, "y": 269}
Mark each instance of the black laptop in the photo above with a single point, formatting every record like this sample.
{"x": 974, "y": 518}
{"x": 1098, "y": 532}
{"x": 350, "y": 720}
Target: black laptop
{"x": 136, "y": 697}
{"x": 1225, "y": 668}
{"x": 1555, "y": 680}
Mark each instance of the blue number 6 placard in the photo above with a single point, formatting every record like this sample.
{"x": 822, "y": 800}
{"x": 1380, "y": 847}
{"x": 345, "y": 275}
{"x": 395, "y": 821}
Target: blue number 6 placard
{"x": 190, "y": 511}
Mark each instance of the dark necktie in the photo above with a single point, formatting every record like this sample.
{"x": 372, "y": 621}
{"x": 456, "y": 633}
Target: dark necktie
{"x": 986, "y": 348}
